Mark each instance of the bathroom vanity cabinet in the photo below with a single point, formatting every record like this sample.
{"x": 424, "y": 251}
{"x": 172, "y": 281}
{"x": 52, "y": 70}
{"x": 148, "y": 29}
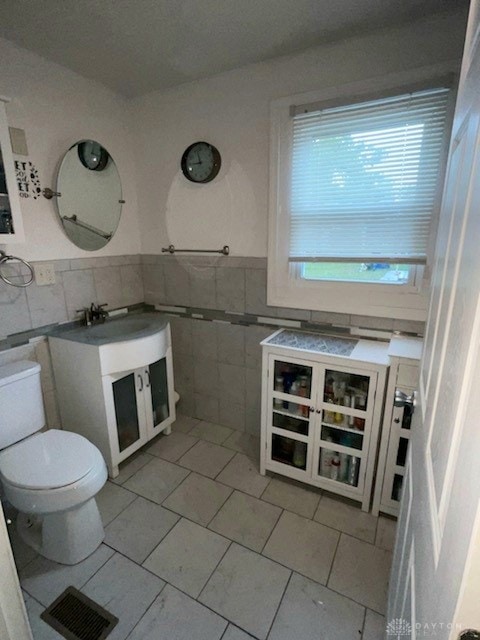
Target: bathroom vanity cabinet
{"x": 404, "y": 355}
{"x": 322, "y": 402}
{"x": 11, "y": 225}
{"x": 119, "y": 395}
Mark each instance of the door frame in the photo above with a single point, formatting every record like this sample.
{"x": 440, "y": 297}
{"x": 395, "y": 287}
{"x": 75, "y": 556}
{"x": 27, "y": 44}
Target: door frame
{"x": 14, "y": 624}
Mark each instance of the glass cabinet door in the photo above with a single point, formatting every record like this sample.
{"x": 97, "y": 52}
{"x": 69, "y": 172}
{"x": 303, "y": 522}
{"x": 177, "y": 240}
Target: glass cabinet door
{"x": 398, "y": 447}
{"x": 126, "y": 409}
{"x": 344, "y": 431}
{"x": 156, "y": 375}
{"x": 291, "y": 414}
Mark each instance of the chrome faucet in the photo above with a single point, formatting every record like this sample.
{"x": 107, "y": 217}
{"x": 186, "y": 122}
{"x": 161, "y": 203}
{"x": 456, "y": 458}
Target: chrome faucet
{"x": 94, "y": 314}
{"x": 98, "y": 314}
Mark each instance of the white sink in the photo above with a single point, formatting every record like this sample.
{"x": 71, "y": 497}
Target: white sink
{"x": 122, "y": 343}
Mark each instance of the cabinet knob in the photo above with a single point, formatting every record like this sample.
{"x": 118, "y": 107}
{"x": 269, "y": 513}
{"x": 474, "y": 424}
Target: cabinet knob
{"x": 311, "y": 409}
{"x": 319, "y": 411}
{"x": 397, "y": 420}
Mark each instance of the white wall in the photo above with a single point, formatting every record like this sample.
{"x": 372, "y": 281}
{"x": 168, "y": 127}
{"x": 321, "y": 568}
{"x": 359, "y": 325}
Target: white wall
{"x": 57, "y": 107}
{"x": 231, "y": 111}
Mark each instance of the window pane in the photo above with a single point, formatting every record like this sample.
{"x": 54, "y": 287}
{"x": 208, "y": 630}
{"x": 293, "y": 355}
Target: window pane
{"x": 373, "y": 272}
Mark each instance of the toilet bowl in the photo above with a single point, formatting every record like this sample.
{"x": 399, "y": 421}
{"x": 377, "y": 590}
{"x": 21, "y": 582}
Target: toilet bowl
{"x": 51, "y": 477}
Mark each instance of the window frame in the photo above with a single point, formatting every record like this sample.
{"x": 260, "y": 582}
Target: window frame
{"x": 284, "y": 287}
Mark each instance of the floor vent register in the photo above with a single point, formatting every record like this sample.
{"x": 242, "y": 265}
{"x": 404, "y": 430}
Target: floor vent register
{"x": 76, "y": 617}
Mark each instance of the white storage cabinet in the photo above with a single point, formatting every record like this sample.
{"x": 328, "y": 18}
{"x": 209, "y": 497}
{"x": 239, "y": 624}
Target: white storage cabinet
{"x": 404, "y": 356}
{"x": 322, "y": 401}
{"x": 118, "y": 395}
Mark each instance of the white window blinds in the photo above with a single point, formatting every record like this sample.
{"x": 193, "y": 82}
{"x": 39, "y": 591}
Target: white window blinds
{"x": 365, "y": 177}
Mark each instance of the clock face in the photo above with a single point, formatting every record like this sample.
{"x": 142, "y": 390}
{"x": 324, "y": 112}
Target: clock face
{"x": 201, "y": 162}
{"x": 92, "y": 155}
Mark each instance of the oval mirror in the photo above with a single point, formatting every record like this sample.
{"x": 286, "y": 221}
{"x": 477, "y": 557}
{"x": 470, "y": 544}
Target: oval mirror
{"x": 90, "y": 203}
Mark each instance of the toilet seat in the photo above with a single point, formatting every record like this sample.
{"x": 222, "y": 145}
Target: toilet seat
{"x": 49, "y": 460}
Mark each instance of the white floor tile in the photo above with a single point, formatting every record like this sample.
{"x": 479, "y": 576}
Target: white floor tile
{"x": 131, "y": 466}
{"x": 386, "y": 530}
{"x": 246, "y": 589}
{"x": 374, "y": 626}
{"x": 244, "y": 443}
{"x": 187, "y": 556}
{"x": 246, "y": 520}
{"x": 184, "y": 424}
{"x": 361, "y": 572}
{"x": 45, "y": 580}
{"x": 309, "y": 611}
{"x": 211, "y": 432}
{"x": 347, "y": 517}
{"x": 293, "y": 497}
{"x": 206, "y": 458}
{"x": 112, "y": 500}
{"x": 303, "y": 545}
{"x": 139, "y": 528}
{"x": 124, "y": 589}
{"x": 156, "y": 480}
{"x": 40, "y": 629}
{"x": 242, "y": 473}
{"x": 234, "y": 633}
{"x": 171, "y": 447}
{"x": 175, "y": 616}
{"x": 198, "y": 498}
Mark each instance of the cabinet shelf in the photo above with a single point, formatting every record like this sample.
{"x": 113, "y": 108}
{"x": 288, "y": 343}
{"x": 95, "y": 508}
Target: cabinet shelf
{"x": 340, "y": 427}
{"x": 290, "y": 414}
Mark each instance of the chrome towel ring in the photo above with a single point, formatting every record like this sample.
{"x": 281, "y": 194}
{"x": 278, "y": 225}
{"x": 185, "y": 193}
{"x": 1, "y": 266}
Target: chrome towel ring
{"x": 4, "y": 259}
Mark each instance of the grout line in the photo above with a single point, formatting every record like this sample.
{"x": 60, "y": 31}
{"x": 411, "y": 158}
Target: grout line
{"x": 333, "y": 560}
{"x": 215, "y": 569}
{"x": 146, "y": 611}
{"x": 364, "y": 622}
{"x": 271, "y": 532}
{"x": 280, "y": 603}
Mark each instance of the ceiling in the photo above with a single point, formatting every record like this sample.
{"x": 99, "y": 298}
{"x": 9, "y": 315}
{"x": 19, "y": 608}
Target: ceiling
{"x": 138, "y": 46}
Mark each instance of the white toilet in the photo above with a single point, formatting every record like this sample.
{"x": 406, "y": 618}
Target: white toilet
{"x": 51, "y": 477}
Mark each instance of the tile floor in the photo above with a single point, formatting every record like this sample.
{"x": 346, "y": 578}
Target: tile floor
{"x": 200, "y": 546}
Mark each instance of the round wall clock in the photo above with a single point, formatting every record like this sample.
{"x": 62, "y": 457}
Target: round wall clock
{"x": 92, "y": 155}
{"x": 201, "y": 162}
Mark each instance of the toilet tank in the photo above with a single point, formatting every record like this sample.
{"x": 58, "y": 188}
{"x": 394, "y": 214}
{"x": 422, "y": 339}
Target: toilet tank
{"x": 21, "y": 402}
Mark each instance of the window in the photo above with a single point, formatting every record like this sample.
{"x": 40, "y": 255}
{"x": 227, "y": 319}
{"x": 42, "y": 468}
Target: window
{"x": 356, "y": 192}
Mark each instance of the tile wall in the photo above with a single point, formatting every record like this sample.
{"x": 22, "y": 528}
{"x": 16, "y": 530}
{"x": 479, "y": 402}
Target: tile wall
{"x": 220, "y": 322}
{"x": 116, "y": 280}
{"x": 219, "y": 310}
{"x": 25, "y": 311}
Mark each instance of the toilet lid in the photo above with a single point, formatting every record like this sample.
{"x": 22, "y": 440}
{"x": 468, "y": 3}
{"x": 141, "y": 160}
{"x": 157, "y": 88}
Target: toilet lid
{"x": 48, "y": 460}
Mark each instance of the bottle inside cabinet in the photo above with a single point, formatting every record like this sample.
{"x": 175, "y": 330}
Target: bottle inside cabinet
{"x": 341, "y": 467}
{"x": 289, "y": 451}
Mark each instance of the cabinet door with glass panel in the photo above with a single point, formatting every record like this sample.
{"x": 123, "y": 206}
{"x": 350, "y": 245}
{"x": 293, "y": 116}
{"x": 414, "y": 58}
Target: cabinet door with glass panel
{"x": 342, "y": 437}
{"x": 159, "y": 399}
{"x": 125, "y": 406}
{"x": 397, "y": 450}
{"x": 293, "y": 386}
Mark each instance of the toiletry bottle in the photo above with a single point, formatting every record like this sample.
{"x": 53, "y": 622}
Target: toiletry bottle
{"x": 299, "y": 455}
{"x": 335, "y": 467}
{"x": 353, "y": 468}
{"x": 326, "y": 456}
{"x": 343, "y": 471}
{"x": 278, "y": 387}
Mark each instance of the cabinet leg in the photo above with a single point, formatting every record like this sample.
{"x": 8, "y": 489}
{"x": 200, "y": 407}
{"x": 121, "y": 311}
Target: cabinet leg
{"x": 168, "y": 430}
{"x": 114, "y": 472}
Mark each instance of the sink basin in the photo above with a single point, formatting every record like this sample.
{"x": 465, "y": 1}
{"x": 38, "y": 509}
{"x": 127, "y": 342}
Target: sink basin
{"x": 129, "y": 327}
{"x": 124, "y": 328}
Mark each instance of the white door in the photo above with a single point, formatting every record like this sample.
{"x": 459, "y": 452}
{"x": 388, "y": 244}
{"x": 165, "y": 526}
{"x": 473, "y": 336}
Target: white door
{"x": 435, "y": 582}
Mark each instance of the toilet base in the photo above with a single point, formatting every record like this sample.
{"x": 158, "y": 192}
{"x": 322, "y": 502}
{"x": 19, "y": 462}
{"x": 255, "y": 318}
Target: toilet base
{"x": 67, "y": 537}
